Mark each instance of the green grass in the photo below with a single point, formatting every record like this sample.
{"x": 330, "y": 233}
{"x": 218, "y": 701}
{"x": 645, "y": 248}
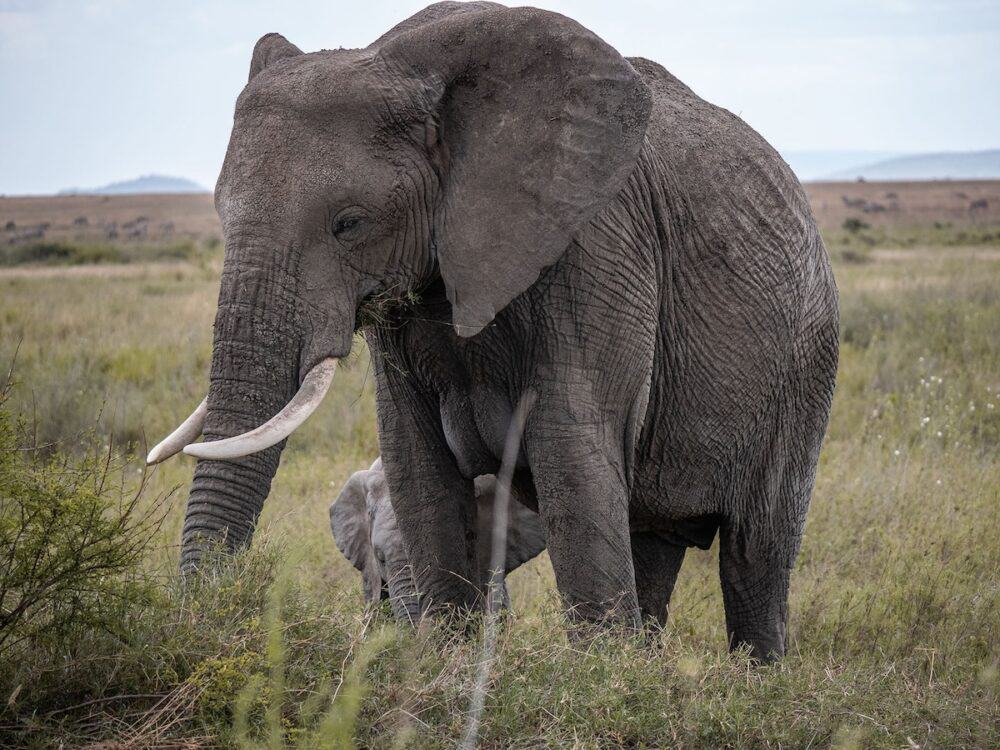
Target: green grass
{"x": 854, "y": 240}
{"x": 895, "y": 607}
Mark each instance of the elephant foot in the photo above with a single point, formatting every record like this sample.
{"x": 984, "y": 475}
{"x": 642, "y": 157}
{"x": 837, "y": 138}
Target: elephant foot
{"x": 586, "y": 621}
{"x": 766, "y": 645}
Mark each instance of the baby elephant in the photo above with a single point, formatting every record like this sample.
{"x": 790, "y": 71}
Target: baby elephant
{"x": 364, "y": 527}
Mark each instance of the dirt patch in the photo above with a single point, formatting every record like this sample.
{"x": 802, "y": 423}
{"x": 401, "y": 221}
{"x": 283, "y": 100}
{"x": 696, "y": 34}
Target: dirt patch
{"x": 162, "y": 217}
{"x": 900, "y": 204}
{"x": 109, "y": 218}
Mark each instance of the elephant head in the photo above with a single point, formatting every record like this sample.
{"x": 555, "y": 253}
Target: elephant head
{"x": 364, "y": 527}
{"x": 464, "y": 148}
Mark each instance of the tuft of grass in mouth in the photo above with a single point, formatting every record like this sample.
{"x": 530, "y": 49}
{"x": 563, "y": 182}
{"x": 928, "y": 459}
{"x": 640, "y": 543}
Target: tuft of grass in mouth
{"x": 381, "y": 309}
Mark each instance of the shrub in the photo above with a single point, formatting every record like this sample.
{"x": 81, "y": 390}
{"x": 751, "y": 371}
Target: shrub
{"x": 855, "y": 225}
{"x": 91, "y": 630}
{"x": 71, "y": 541}
{"x": 854, "y": 255}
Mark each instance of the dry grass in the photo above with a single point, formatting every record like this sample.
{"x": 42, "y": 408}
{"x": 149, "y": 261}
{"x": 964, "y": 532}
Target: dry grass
{"x": 895, "y": 601}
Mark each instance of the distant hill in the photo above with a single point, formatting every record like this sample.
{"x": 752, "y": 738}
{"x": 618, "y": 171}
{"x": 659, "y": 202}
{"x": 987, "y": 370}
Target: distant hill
{"x": 816, "y": 165}
{"x": 955, "y": 165}
{"x": 151, "y": 183}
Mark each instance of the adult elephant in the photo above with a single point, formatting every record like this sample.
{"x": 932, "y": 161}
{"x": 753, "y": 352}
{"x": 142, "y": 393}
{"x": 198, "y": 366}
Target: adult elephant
{"x": 572, "y": 222}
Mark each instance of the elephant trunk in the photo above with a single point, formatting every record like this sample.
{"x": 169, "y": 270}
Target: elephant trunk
{"x": 226, "y": 499}
{"x": 254, "y": 373}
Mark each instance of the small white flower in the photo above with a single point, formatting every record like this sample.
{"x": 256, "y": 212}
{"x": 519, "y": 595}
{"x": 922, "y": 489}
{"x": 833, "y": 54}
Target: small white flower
{"x": 989, "y": 406}
{"x": 938, "y": 482}
{"x": 924, "y": 421}
{"x": 939, "y": 433}
{"x": 921, "y": 359}
{"x": 896, "y": 452}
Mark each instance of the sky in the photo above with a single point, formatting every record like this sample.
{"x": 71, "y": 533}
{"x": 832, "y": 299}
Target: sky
{"x": 95, "y": 91}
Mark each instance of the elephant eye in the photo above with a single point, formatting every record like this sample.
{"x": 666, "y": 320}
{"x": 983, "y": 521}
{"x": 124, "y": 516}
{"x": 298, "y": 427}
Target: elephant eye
{"x": 348, "y": 227}
{"x": 345, "y": 225}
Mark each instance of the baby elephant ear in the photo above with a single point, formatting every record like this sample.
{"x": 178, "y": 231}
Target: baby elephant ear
{"x": 269, "y": 49}
{"x": 535, "y": 124}
{"x": 525, "y": 533}
{"x": 351, "y": 530}
{"x": 525, "y": 536}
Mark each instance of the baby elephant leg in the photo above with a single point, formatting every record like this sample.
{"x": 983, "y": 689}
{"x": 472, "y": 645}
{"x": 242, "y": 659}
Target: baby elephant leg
{"x": 657, "y": 563}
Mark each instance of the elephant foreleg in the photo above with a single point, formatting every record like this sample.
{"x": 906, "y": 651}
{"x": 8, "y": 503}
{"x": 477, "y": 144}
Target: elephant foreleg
{"x": 434, "y": 504}
{"x": 583, "y": 502}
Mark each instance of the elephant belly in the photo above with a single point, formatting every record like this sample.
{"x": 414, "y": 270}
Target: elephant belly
{"x": 691, "y": 532}
{"x": 475, "y": 427}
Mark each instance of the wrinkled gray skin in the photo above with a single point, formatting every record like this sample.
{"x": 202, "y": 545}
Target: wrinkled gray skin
{"x": 365, "y": 529}
{"x": 574, "y": 223}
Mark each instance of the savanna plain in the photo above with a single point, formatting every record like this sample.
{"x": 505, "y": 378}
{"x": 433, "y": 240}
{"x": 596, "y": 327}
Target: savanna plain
{"x": 106, "y": 308}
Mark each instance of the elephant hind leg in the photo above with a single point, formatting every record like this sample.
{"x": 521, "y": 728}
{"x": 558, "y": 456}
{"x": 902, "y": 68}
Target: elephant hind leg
{"x": 656, "y": 563}
{"x": 755, "y": 578}
{"x": 757, "y": 550}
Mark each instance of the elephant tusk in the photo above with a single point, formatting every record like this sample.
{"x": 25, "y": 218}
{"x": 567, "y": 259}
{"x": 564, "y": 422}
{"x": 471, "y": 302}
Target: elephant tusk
{"x": 189, "y": 430}
{"x": 314, "y": 387}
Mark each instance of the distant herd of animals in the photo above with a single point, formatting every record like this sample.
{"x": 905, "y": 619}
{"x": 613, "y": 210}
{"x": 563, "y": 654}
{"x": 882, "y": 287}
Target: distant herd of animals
{"x": 140, "y": 228}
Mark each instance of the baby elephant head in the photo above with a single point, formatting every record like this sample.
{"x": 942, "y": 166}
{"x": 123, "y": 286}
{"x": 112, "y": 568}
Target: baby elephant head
{"x": 364, "y": 527}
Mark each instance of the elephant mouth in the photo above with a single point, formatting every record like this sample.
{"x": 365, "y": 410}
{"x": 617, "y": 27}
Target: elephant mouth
{"x": 380, "y": 308}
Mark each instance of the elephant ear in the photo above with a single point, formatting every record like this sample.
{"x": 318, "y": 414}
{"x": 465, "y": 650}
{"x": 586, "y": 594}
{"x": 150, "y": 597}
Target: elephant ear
{"x": 525, "y": 533}
{"x": 269, "y": 49}
{"x": 535, "y": 125}
{"x": 351, "y": 529}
